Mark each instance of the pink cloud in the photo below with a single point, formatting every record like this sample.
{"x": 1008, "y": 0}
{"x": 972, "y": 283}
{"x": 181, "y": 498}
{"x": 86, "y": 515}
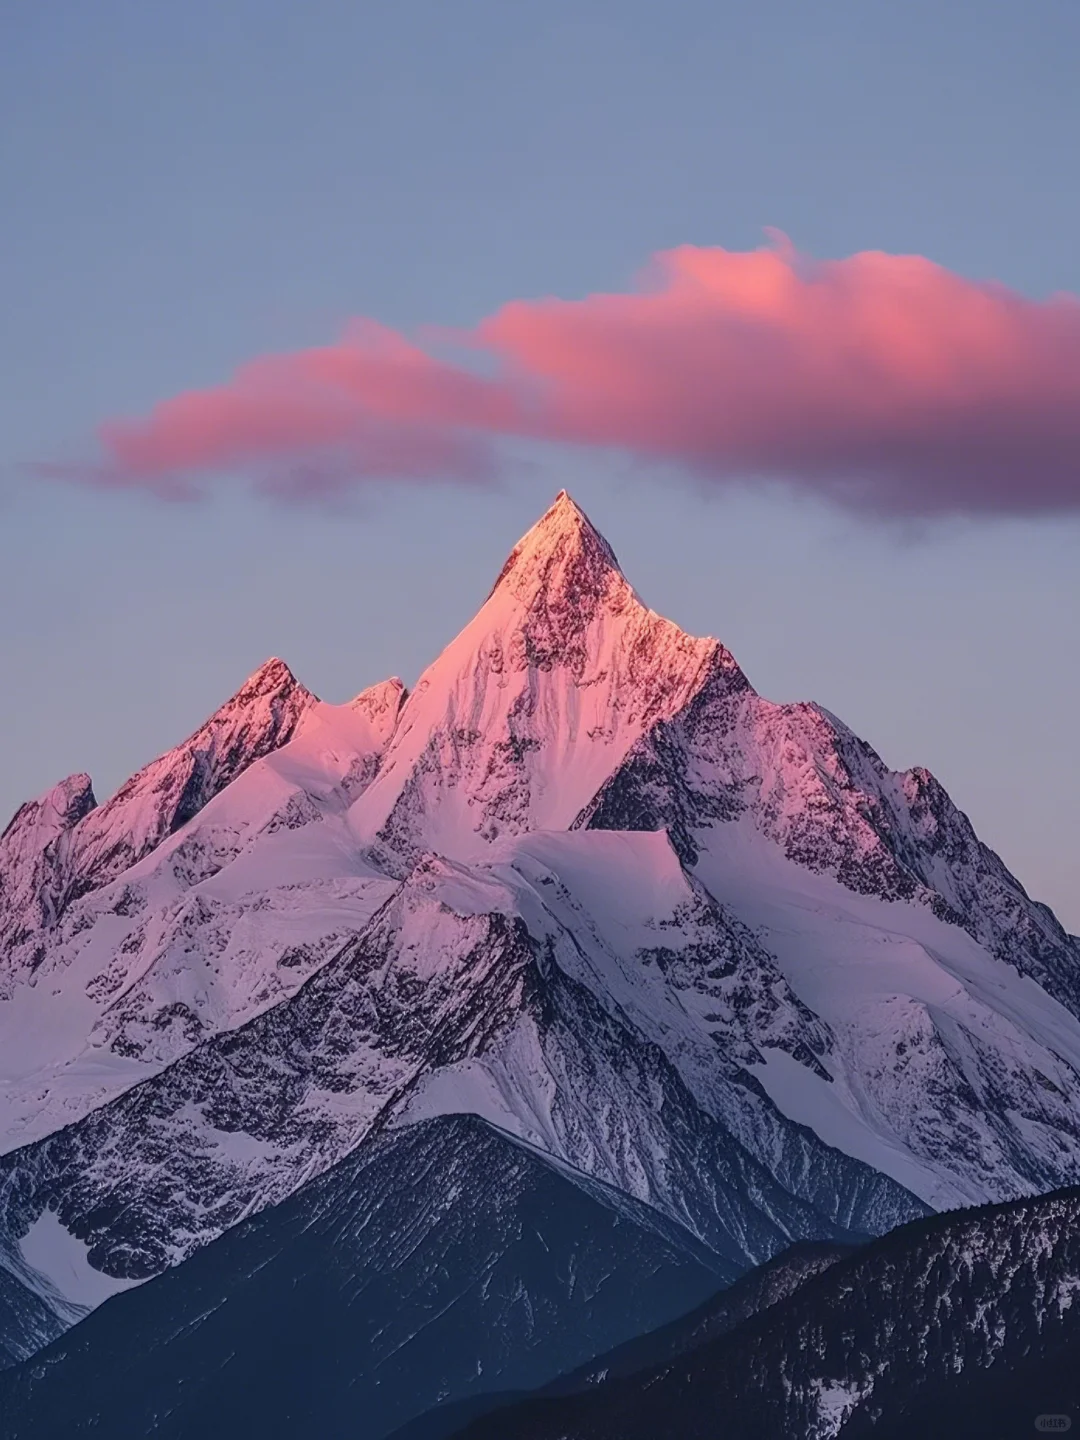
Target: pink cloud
{"x": 371, "y": 406}
{"x": 884, "y": 382}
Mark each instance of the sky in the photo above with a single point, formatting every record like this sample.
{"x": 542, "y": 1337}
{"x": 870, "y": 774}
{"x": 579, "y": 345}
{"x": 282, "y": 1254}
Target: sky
{"x": 881, "y": 515}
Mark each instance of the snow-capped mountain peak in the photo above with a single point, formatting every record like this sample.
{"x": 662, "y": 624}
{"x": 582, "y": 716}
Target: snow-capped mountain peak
{"x": 32, "y": 851}
{"x": 562, "y": 551}
{"x": 521, "y": 719}
{"x": 381, "y": 704}
{"x": 69, "y": 846}
{"x": 166, "y": 793}
{"x": 38, "y": 822}
{"x": 273, "y": 677}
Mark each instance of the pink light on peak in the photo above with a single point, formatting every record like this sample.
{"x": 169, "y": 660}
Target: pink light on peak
{"x": 884, "y": 382}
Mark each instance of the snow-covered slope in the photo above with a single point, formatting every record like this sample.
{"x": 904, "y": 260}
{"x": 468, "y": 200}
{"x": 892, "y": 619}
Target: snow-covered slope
{"x": 462, "y": 994}
{"x": 221, "y": 916}
{"x": 75, "y": 846}
{"x": 951, "y": 997}
{"x": 826, "y": 800}
{"x": 526, "y": 713}
{"x": 585, "y": 883}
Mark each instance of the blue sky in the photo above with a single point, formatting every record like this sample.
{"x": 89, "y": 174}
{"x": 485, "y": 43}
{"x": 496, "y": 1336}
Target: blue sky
{"x": 186, "y": 186}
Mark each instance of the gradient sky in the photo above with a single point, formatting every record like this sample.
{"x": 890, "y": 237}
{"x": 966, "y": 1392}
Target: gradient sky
{"x": 187, "y": 186}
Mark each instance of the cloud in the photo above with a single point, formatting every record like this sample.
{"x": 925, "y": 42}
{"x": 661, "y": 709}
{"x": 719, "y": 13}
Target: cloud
{"x": 883, "y": 382}
{"x": 371, "y": 406}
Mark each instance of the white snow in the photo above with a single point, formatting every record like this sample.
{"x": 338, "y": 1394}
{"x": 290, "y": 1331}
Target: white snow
{"x": 59, "y": 1261}
{"x": 835, "y": 1401}
{"x": 882, "y": 975}
{"x": 883, "y": 1029}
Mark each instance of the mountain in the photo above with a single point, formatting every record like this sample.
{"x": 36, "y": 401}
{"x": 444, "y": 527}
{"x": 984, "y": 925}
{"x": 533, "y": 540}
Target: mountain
{"x": 433, "y": 1263}
{"x": 584, "y": 883}
{"x": 524, "y": 716}
{"x": 109, "y": 970}
{"x": 721, "y": 1312}
{"x": 462, "y": 994}
{"x": 65, "y": 845}
{"x": 962, "y": 1325}
{"x": 953, "y": 1018}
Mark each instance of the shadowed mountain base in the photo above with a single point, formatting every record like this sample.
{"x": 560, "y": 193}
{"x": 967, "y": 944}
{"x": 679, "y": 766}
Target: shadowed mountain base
{"x": 440, "y": 1260}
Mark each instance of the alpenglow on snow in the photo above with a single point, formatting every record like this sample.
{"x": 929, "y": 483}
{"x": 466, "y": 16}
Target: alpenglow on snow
{"x": 705, "y": 955}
